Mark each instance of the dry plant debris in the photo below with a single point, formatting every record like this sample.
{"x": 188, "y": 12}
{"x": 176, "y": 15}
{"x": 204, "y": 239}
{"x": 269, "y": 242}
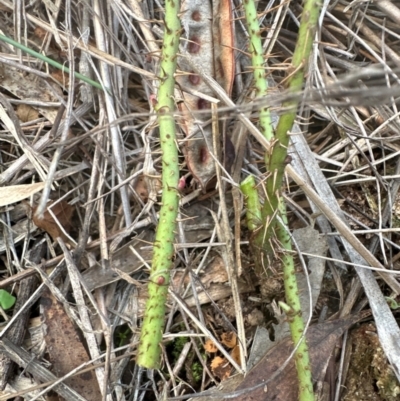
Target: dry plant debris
{"x": 96, "y": 156}
{"x": 65, "y": 349}
{"x": 56, "y": 220}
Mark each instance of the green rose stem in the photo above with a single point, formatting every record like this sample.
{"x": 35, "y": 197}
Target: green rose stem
{"x": 293, "y": 307}
{"x": 260, "y": 244}
{"x": 294, "y": 314}
{"x": 258, "y": 64}
{"x": 149, "y": 351}
{"x": 253, "y": 207}
{"x": 275, "y": 161}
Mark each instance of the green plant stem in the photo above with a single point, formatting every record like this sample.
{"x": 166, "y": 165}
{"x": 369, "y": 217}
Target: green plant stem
{"x": 253, "y": 206}
{"x": 50, "y": 61}
{"x": 261, "y": 246}
{"x": 295, "y": 320}
{"x": 149, "y": 351}
{"x": 257, "y": 61}
{"x": 276, "y": 161}
{"x": 293, "y": 309}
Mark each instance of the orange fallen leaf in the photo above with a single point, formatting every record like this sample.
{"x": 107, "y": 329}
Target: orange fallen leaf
{"x": 210, "y": 347}
{"x": 235, "y": 354}
{"x": 221, "y": 368}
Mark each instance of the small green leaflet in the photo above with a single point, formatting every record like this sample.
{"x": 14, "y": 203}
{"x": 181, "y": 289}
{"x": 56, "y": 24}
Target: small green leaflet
{"x": 6, "y": 300}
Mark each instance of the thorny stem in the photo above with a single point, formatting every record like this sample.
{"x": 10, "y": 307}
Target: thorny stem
{"x": 276, "y": 161}
{"x": 296, "y": 323}
{"x": 253, "y": 207}
{"x": 257, "y": 61}
{"x": 293, "y": 311}
{"x": 261, "y": 245}
{"x": 149, "y": 351}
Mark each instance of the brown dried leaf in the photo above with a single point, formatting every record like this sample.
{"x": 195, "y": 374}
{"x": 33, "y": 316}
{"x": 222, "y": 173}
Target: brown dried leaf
{"x": 63, "y": 213}
{"x": 223, "y": 44}
{"x": 61, "y": 77}
{"x": 26, "y": 113}
{"x": 221, "y": 367}
{"x": 65, "y": 349}
{"x": 210, "y": 347}
{"x": 229, "y": 339}
{"x": 28, "y": 87}
{"x": 214, "y": 273}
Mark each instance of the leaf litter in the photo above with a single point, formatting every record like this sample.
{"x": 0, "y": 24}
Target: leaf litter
{"x": 105, "y": 191}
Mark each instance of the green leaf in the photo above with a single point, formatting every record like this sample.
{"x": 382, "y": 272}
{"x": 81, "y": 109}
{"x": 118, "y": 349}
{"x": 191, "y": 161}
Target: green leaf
{"x": 6, "y": 300}
{"x": 392, "y": 303}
